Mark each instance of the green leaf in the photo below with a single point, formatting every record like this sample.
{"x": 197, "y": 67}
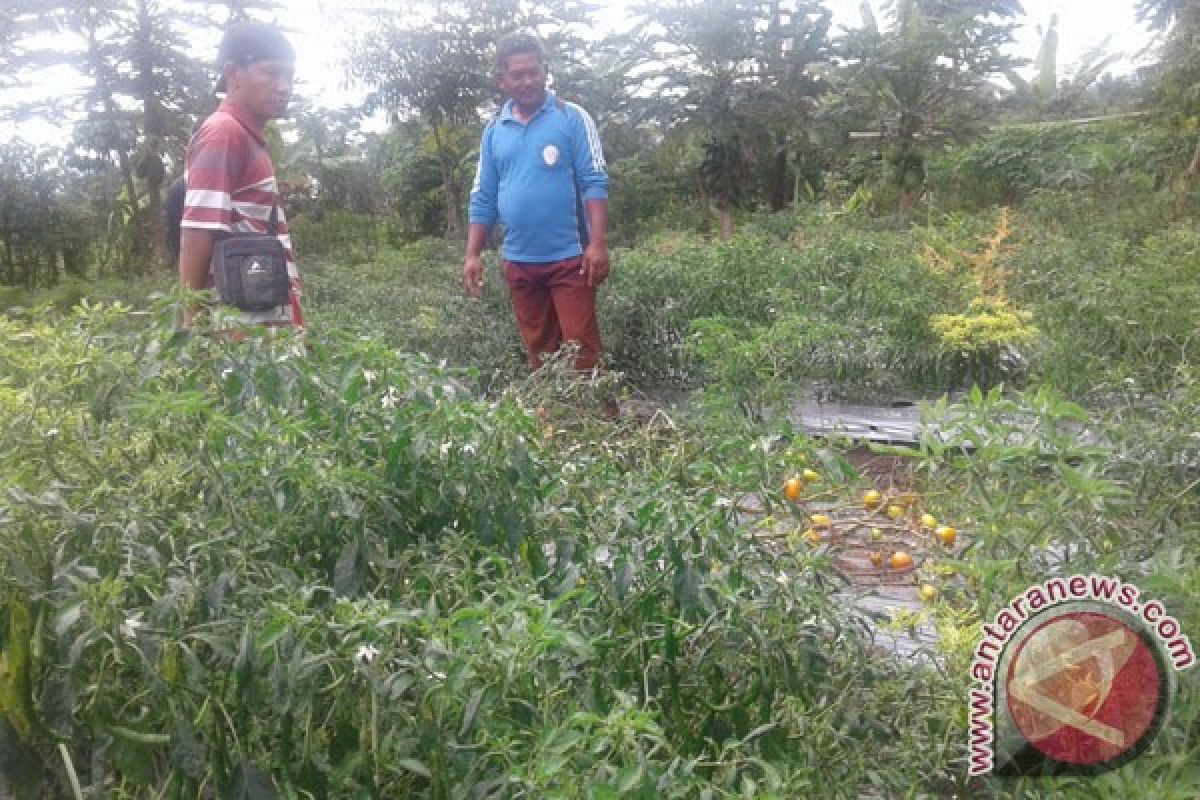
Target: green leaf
{"x": 622, "y": 577}
{"x": 413, "y": 765}
{"x": 347, "y": 573}
{"x": 245, "y": 664}
{"x": 188, "y": 754}
{"x": 133, "y": 756}
{"x": 470, "y": 713}
{"x": 629, "y": 778}
{"x": 21, "y": 769}
{"x": 760, "y": 731}
{"x": 249, "y": 783}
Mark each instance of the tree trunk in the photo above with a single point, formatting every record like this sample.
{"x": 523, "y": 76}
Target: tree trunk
{"x": 726, "y": 215}
{"x": 10, "y": 263}
{"x": 908, "y": 201}
{"x": 454, "y": 226}
{"x": 154, "y": 129}
{"x": 777, "y": 179}
{"x": 450, "y": 187}
{"x": 137, "y": 249}
{"x": 705, "y": 204}
{"x": 105, "y": 80}
{"x": 1182, "y": 185}
{"x": 155, "y": 221}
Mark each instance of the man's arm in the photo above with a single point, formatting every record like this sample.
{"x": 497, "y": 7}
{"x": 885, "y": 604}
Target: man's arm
{"x": 215, "y": 159}
{"x": 482, "y": 213}
{"x": 473, "y": 262}
{"x": 195, "y": 252}
{"x": 595, "y": 258}
{"x": 591, "y": 175}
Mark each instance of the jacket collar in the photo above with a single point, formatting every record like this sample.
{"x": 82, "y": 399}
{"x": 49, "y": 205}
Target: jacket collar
{"x": 244, "y": 119}
{"x": 506, "y": 113}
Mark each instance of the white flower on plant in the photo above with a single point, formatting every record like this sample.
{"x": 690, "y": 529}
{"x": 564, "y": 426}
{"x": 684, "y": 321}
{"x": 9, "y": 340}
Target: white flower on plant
{"x": 369, "y": 376}
{"x": 723, "y": 502}
{"x": 129, "y": 627}
{"x": 468, "y": 449}
{"x": 366, "y": 654}
{"x": 51, "y": 433}
{"x": 391, "y": 398}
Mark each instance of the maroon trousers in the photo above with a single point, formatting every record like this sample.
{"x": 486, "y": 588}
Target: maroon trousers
{"x": 553, "y": 303}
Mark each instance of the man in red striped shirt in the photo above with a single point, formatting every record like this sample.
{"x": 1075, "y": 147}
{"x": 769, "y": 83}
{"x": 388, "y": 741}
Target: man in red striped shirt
{"x": 230, "y": 178}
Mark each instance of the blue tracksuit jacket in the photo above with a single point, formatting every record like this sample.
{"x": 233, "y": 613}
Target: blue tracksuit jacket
{"x": 528, "y": 176}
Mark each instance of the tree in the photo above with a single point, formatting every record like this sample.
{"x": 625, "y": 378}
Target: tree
{"x": 929, "y": 74}
{"x": 798, "y": 50}
{"x": 1046, "y": 95}
{"x": 144, "y": 86}
{"x": 325, "y": 155}
{"x": 437, "y": 68}
{"x": 1177, "y": 23}
{"x": 440, "y": 67}
{"x": 734, "y": 73}
{"x": 41, "y": 234}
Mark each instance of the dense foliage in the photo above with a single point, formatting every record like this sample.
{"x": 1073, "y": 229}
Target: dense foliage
{"x": 340, "y": 569}
{"x": 385, "y": 561}
{"x": 723, "y": 106}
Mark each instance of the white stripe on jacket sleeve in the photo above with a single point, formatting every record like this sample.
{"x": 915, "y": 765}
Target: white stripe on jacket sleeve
{"x": 593, "y": 137}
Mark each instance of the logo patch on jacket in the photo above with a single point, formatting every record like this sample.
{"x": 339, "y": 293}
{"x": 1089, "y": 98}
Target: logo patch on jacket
{"x": 550, "y": 155}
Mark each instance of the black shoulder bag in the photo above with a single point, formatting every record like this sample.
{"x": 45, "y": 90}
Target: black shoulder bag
{"x": 250, "y": 269}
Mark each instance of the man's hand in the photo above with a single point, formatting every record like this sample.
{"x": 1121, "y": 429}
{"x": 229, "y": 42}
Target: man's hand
{"x": 195, "y": 251}
{"x": 473, "y": 275}
{"x": 595, "y": 263}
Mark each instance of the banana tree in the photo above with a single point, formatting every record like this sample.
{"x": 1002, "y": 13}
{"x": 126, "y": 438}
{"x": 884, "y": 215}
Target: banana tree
{"x": 926, "y": 76}
{"x": 732, "y": 76}
{"x": 1177, "y": 23}
{"x": 1046, "y": 95}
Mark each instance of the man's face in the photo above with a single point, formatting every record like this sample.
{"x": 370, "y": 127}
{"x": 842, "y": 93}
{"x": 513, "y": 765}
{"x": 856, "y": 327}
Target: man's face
{"x": 262, "y": 87}
{"x": 524, "y": 80}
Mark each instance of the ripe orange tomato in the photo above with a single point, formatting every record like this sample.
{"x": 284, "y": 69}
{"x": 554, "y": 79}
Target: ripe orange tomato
{"x": 900, "y": 560}
{"x": 792, "y": 489}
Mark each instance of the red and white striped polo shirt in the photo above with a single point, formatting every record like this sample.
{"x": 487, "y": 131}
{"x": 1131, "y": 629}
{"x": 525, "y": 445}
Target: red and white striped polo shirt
{"x": 231, "y": 188}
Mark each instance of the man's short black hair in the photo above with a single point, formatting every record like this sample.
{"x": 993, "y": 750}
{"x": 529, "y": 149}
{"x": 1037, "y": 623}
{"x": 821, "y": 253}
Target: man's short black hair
{"x": 517, "y": 43}
{"x": 246, "y": 42}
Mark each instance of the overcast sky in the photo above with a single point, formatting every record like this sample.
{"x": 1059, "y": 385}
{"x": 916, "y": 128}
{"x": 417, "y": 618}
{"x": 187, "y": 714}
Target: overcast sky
{"x": 320, "y": 35}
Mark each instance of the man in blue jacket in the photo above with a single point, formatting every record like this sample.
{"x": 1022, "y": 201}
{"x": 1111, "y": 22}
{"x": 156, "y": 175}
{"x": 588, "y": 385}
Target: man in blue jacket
{"x": 542, "y": 175}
